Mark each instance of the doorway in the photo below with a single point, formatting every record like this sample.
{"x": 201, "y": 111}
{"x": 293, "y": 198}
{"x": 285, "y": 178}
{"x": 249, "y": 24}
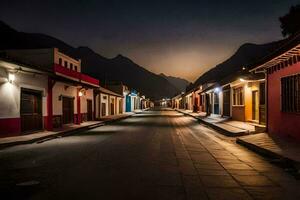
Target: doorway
{"x": 103, "y": 109}
{"x": 255, "y": 105}
{"x": 89, "y": 104}
{"x": 128, "y": 103}
{"x": 112, "y": 106}
{"x": 226, "y": 103}
{"x": 120, "y": 106}
{"x": 68, "y": 110}
{"x": 31, "y": 110}
{"x": 216, "y": 103}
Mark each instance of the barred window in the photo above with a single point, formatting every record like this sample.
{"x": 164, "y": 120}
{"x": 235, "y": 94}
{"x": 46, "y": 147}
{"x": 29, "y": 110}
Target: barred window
{"x": 290, "y": 94}
{"x": 238, "y": 96}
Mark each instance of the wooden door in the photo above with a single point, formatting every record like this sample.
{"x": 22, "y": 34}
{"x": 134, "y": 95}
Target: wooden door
{"x": 262, "y": 103}
{"x": 89, "y": 104}
{"x": 31, "y": 110}
{"x": 255, "y": 105}
{"x": 226, "y": 103}
{"x": 68, "y": 110}
{"x": 103, "y": 109}
{"x": 120, "y": 106}
{"x": 112, "y": 107}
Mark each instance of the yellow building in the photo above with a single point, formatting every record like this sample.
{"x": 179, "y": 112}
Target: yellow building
{"x": 248, "y": 99}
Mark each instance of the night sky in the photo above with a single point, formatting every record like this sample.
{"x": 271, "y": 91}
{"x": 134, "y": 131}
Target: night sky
{"x": 180, "y": 39}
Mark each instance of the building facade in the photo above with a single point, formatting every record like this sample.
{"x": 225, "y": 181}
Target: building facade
{"x": 58, "y": 94}
{"x": 108, "y": 103}
{"x": 283, "y": 89}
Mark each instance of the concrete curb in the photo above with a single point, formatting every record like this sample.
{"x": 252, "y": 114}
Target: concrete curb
{"x": 215, "y": 127}
{"x": 61, "y": 134}
{"x": 284, "y": 161}
{"x": 258, "y": 149}
{"x": 222, "y": 130}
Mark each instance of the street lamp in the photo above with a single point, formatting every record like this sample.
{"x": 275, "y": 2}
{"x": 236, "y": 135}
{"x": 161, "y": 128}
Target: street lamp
{"x": 11, "y": 77}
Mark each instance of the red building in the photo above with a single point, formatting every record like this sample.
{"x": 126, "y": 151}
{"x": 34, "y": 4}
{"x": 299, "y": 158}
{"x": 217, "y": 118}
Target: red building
{"x": 282, "y": 70}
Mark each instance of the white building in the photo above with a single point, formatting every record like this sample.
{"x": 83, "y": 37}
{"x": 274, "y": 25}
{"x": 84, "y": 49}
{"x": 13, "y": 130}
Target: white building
{"x": 48, "y": 91}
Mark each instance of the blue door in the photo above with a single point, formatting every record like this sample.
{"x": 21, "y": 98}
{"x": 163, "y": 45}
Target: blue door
{"x": 128, "y": 103}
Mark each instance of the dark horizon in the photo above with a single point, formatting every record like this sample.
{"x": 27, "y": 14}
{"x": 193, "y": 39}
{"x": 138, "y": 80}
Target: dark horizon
{"x": 179, "y": 39}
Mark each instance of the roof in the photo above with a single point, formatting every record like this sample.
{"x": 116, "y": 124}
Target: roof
{"x": 234, "y": 77}
{"x": 5, "y": 58}
{"x": 106, "y": 91}
{"x": 289, "y": 49}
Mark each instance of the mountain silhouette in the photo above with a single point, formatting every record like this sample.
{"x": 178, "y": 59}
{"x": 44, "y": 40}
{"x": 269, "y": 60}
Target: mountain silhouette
{"x": 242, "y": 59}
{"x": 119, "y": 68}
{"x": 178, "y": 82}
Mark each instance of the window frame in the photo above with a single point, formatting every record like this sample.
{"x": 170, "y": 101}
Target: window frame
{"x": 236, "y": 101}
{"x": 290, "y": 85}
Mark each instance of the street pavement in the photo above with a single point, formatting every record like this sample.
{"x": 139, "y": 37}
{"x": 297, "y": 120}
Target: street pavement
{"x": 159, "y": 154}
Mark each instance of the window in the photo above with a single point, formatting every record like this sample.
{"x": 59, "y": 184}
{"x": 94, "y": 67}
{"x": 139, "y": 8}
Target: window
{"x": 75, "y": 68}
{"x": 60, "y": 61}
{"x": 238, "y": 96}
{"x": 71, "y": 66}
{"x": 290, "y": 94}
{"x": 66, "y": 64}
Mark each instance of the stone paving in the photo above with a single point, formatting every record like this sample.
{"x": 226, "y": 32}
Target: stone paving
{"x": 153, "y": 155}
{"x": 28, "y": 138}
{"x": 273, "y": 144}
{"x": 225, "y": 124}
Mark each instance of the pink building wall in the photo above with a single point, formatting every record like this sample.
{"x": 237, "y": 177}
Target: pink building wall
{"x": 281, "y": 123}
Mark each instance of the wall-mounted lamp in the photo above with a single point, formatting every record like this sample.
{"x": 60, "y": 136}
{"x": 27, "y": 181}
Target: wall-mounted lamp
{"x": 217, "y": 90}
{"x": 80, "y": 93}
{"x": 242, "y": 80}
{"x": 11, "y": 77}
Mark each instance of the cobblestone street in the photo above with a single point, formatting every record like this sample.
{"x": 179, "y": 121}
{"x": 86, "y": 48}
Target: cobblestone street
{"x": 151, "y": 155}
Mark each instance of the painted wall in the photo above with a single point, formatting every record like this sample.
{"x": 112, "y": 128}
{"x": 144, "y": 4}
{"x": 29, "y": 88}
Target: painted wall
{"x": 120, "y": 105}
{"x": 10, "y": 100}
{"x": 133, "y": 103}
{"x": 244, "y": 112}
{"x": 112, "y": 100}
{"x": 64, "y": 57}
{"x": 253, "y": 86}
{"x": 104, "y": 99}
{"x": 238, "y": 112}
{"x": 66, "y": 90}
{"x": 97, "y": 106}
{"x": 281, "y": 123}
{"x": 88, "y": 95}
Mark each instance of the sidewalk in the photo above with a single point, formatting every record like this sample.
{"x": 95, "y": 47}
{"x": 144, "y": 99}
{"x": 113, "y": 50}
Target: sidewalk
{"x": 272, "y": 146}
{"x": 225, "y": 125}
{"x": 64, "y": 131}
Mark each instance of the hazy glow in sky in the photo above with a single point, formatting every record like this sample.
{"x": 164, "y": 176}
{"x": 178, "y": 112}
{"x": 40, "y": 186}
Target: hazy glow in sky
{"x": 180, "y": 39}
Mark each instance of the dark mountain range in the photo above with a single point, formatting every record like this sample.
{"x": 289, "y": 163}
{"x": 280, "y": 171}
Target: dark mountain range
{"x": 179, "y": 83}
{"x": 244, "y": 57}
{"x": 119, "y": 68}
